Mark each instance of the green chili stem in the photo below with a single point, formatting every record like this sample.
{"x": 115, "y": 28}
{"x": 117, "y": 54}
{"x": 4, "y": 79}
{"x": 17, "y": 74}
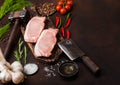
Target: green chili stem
{"x": 68, "y": 16}
{"x": 60, "y": 23}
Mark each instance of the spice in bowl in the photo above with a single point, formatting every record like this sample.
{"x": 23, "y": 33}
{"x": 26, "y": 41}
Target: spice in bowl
{"x": 68, "y": 69}
{"x": 46, "y": 9}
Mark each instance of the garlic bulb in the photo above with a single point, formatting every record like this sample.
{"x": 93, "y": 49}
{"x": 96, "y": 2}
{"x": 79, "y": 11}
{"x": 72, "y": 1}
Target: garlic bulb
{"x": 17, "y": 77}
{"x": 4, "y": 65}
{"x": 16, "y": 66}
{"x": 5, "y": 76}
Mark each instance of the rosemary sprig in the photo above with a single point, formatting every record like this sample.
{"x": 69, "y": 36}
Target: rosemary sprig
{"x": 3, "y": 30}
{"x": 12, "y": 5}
{"x": 20, "y": 44}
{"x": 21, "y": 52}
{"x": 25, "y": 54}
{"x": 7, "y": 7}
{"x": 16, "y": 54}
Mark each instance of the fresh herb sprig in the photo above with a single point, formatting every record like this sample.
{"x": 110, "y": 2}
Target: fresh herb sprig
{"x": 21, "y": 52}
{"x": 12, "y": 5}
{"x": 25, "y": 54}
{"x": 3, "y": 30}
{"x": 7, "y": 7}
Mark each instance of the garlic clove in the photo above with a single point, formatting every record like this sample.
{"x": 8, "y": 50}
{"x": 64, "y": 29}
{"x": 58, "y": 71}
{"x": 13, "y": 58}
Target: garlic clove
{"x": 16, "y": 66}
{"x": 5, "y": 76}
{"x": 17, "y": 77}
{"x": 4, "y": 65}
{"x": 7, "y": 64}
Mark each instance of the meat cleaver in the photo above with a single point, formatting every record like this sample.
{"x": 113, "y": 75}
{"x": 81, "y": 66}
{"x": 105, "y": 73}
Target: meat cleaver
{"x": 73, "y": 52}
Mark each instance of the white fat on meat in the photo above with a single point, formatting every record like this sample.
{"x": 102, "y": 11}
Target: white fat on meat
{"x": 46, "y": 42}
{"x": 34, "y": 28}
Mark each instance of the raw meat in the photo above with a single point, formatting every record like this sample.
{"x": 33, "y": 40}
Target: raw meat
{"x": 34, "y": 28}
{"x": 46, "y": 42}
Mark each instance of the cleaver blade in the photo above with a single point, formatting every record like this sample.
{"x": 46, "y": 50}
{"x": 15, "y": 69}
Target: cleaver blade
{"x": 70, "y": 49}
{"x": 73, "y": 52}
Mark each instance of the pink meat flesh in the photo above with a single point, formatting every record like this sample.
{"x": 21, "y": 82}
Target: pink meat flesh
{"x": 34, "y": 28}
{"x": 46, "y": 42}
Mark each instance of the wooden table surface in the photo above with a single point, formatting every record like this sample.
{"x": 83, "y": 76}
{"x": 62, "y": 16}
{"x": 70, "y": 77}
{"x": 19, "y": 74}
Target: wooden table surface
{"x": 95, "y": 28}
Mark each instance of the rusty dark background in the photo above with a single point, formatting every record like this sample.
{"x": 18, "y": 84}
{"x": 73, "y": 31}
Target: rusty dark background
{"x": 95, "y": 28}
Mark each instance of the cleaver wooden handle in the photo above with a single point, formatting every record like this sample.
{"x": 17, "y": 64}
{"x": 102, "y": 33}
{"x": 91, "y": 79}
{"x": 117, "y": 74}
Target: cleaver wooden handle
{"x": 91, "y": 65}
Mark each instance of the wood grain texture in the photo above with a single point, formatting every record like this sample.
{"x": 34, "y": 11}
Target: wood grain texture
{"x": 95, "y": 28}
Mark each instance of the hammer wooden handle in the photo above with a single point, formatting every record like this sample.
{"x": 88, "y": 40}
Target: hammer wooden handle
{"x": 13, "y": 39}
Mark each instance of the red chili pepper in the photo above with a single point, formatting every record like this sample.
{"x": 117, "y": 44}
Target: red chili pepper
{"x": 57, "y": 21}
{"x": 68, "y": 34}
{"x": 63, "y": 31}
{"x": 68, "y": 22}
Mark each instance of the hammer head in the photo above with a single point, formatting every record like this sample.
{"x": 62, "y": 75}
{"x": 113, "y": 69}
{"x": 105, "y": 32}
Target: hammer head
{"x": 23, "y": 15}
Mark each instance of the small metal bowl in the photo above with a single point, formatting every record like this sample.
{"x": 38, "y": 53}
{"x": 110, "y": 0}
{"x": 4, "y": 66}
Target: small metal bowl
{"x": 68, "y": 69}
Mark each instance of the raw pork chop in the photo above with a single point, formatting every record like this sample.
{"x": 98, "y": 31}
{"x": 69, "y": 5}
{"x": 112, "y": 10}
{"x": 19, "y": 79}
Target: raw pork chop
{"x": 46, "y": 42}
{"x": 34, "y": 29}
